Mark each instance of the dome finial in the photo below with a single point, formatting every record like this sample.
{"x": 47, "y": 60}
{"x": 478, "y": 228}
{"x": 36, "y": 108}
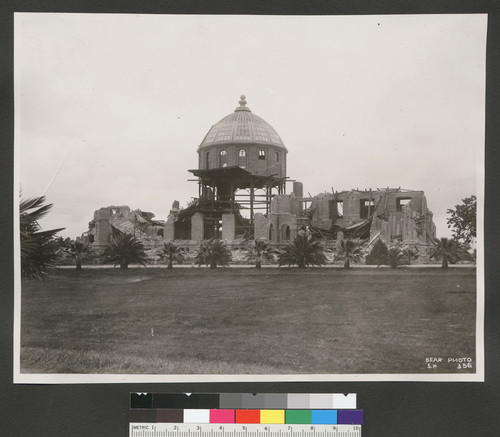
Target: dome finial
{"x": 243, "y": 103}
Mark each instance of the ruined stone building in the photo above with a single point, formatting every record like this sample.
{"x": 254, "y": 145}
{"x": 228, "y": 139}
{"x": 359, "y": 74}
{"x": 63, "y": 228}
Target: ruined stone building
{"x": 242, "y": 182}
{"x": 110, "y": 220}
{"x": 241, "y": 166}
{"x": 393, "y": 215}
{"x": 242, "y": 194}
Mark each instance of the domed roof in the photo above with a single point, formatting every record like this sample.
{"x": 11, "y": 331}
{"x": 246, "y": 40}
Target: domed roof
{"x": 242, "y": 126}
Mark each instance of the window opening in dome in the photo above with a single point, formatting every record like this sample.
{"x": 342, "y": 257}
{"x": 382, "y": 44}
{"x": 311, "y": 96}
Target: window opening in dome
{"x": 261, "y": 133}
{"x": 242, "y": 158}
{"x": 207, "y": 160}
{"x": 223, "y": 158}
{"x": 262, "y": 154}
{"x": 224, "y": 133}
{"x": 275, "y": 138}
{"x": 210, "y": 137}
{"x": 277, "y": 156}
{"x": 366, "y": 207}
{"x": 242, "y": 131}
{"x": 271, "y": 232}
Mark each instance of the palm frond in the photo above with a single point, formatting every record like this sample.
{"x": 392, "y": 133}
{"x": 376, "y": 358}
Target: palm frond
{"x": 349, "y": 251}
{"x": 258, "y": 252}
{"x": 37, "y": 253}
{"x": 171, "y": 253}
{"x": 213, "y": 253}
{"x": 302, "y": 252}
{"x": 125, "y": 249}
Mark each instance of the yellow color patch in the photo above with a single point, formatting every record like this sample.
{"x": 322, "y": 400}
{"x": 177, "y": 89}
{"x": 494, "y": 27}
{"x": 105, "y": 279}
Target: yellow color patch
{"x": 272, "y": 416}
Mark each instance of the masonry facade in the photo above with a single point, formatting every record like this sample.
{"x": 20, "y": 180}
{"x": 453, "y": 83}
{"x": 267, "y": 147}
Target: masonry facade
{"x": 242, "y": 168}
{"x": 242, "y": 194}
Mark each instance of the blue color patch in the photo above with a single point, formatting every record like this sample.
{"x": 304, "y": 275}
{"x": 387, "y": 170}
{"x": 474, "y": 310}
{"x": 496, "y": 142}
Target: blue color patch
{"x": 324, "y": 417}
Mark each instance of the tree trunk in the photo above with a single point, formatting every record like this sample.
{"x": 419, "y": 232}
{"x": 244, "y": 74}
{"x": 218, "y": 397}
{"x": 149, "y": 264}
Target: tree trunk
{"x": 257, "y": 265}
{"x": 347, "y": 264}
{"x": 170, "y": 265}
{"x": 213, "y": 265}
{"x": 123, "y": 266}
{"x": 78, "y": 264}
{"x": 444, "y": 264}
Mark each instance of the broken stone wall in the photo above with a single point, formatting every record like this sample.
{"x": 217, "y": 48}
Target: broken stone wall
{"x": 103, "y": 230}
{"x": 283, "y": 217}
{"x": 324, "y": 210}
{"x": 261, "y": 226}
{"x": 397, "y": 215}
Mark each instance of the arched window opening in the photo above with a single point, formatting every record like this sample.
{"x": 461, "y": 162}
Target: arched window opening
{"x": 207, "y": 160}
{"x": 271, "y": 232}
{"x": 262, "y": 154}
{"x": 223, "y": 158}
{"x": 242, "y": 158}
{"x": 277, "y": 156}
{"x": 285, "y": 233}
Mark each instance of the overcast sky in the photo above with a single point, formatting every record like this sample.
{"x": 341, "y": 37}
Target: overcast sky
{"x": 110, "y": 109}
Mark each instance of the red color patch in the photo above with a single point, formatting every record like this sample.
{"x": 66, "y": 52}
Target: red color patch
{"x": 247, "y": 416}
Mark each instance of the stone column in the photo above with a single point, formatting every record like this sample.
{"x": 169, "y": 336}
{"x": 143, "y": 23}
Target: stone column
{"x": 102, "y": 226}
{"x": 228, "y": 227}
{"x": 169, "y": 231}
{"x": 261, "y": 228}
{"x": 197, "y": 227}
{"x": 298, "y": 189}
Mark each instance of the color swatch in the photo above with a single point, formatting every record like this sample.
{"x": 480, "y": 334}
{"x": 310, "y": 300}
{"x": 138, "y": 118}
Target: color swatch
{"x": 304, "y": 417}
{"x": 283, "y": 401}
{"x": 245, "y": 408}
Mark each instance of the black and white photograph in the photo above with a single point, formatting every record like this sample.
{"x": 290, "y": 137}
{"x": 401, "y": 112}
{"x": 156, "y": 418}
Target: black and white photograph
{"x": 249, "y": 198}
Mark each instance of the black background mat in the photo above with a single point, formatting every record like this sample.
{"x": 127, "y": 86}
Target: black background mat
{"x": 390, "y": 408}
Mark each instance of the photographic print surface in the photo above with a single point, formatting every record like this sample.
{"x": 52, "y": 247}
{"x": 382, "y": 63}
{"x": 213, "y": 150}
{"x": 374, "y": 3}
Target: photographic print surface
{"x": 249, "y": 198}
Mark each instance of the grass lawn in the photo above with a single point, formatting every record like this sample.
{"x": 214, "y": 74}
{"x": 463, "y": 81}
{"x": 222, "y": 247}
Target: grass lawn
{"x": 246, "y": 321}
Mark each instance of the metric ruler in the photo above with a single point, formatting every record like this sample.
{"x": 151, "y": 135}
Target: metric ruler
{"x": 241, "y": 430}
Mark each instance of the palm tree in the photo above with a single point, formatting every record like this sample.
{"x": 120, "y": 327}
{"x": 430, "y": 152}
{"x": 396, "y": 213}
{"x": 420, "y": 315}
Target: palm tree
{"x": 78, "y": 251}
{"x": 124, "y": 250}
{"x": 171, "y": 253}
{"x": 378, "y": 254}
{"x": 38, "y": 255}
{"x": 411, "y": 254}
{"x": 303, "y": 251}
{"x": 259, "y": 251}
{"x": 349, "y": 251}
{"x": 213, "y": 253}
{"x": 446, "y": 250}
{"x": 395, "y": 257}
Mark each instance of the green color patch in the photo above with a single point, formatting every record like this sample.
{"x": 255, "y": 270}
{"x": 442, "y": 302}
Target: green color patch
{"x": 298, "y": 416}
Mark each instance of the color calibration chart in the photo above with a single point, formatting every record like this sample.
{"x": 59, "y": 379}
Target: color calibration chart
{"x": 244, "y": 415}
